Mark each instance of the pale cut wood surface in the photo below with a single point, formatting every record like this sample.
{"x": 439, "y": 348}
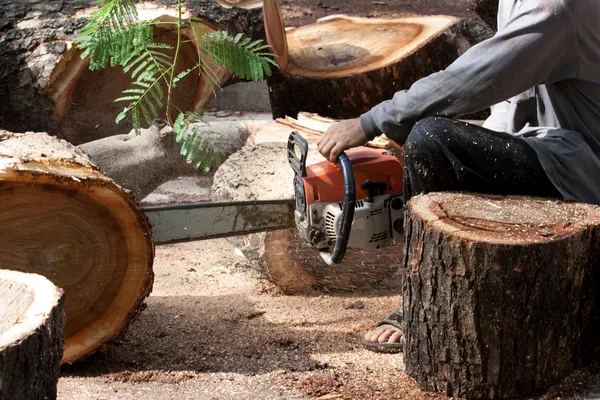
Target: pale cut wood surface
{"x": 67, "y": 221}
{"x": 31, "y": 336}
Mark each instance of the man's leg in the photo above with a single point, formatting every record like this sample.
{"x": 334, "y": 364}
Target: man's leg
{"x": 445, "y": 155}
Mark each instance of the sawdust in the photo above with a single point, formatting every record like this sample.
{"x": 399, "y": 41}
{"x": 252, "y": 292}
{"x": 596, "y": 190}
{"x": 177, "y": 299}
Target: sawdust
{"x": 212, "y": 330}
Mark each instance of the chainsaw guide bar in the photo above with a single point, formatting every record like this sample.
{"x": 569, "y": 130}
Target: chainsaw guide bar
{"x": 174, "y": 223}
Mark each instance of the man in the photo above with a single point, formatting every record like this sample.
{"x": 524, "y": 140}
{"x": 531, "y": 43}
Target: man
{"x": 543, "y": 141}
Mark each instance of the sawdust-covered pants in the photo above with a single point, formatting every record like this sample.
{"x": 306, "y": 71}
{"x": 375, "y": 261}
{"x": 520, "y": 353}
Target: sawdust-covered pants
{"x": 441, "y": 154}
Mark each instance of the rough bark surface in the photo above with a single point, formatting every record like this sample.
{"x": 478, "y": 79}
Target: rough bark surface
{"x": 35, "y": 38}
{"x": 141, "y": 163}
{"x": 31, "y": 336}
{"x": 351, "y": 95}
{"x": 67, "y": 221}
{"x": 499, "y": 292}
{"x": 262, "y": 172}
{"x": 487, "y": 11}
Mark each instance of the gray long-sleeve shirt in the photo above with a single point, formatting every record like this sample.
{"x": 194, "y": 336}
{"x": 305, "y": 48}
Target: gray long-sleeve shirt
{"x": 545, "y": 59}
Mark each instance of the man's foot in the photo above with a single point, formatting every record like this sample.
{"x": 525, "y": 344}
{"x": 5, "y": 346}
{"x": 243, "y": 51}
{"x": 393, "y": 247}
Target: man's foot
{"x": 387, "y": 337}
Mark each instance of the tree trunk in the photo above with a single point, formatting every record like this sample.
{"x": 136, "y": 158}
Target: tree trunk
{"x": 32, "y": 321}
{"x": 262, "y": 172}
{"x": 499, "y": 293}
{"x": 340, "y": 67}
{"x": 67, "y": 221}
{"x": 141, "y": 163}
{"x": 487, "y": 11}
{"x": 50, "y": 88}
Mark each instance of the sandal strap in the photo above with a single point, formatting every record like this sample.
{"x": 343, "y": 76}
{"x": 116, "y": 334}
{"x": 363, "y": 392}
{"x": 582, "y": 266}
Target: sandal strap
{"x": 395, "y": 319}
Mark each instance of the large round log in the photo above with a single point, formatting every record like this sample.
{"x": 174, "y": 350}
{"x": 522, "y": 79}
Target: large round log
{"x": 262, "y": 172}
{"x": 341, "y": 66}
{"x": 32, "y": 321}
{"x": 500, "y": 292}
{"x": 63, "y": 219}
{"x": 49, "y": 87}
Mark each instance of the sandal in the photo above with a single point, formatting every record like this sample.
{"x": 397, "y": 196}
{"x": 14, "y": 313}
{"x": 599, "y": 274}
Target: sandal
{"x": 396, "y": 320}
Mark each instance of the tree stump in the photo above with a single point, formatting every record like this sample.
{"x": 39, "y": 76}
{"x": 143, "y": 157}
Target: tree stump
{"x": 342, "y": 66}
{"x": 32, "y": 324}
{"x": 499, "y": 292}
{"x": 63, "y": 219}
{"x": 262, "y": 172}
{"x": 49, "y": 88}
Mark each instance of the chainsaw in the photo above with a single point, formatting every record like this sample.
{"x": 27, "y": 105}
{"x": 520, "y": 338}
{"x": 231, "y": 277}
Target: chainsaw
{"x": 356, "y": 203}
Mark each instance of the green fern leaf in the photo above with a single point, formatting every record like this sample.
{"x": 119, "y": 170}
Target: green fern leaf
{"x": 246, "y": 60}
{"x": 113, "y": 34}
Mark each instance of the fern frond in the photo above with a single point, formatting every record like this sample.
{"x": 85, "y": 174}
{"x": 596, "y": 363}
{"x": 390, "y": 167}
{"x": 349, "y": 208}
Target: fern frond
{"x": 197, "y": 149}
{"x": 149, "y": 71}
{"x": 245, "y": 59}
{"x": 113, "y": 34}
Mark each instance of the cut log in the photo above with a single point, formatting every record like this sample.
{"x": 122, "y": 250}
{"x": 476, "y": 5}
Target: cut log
{"x": 141, "y": 163}
{"x": 32, "y": 321}
{"x": 51, "y": 88}
{"x": 65, "y": 220}
{"x": 262, "y": 172}
{"x": 500, "y": 293}
{"x": 341, "y": 66}
{"x": 487, "y": 10}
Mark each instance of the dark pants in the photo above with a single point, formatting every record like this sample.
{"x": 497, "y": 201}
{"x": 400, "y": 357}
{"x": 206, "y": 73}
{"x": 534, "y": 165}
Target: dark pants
{"x": 445, "y": 155}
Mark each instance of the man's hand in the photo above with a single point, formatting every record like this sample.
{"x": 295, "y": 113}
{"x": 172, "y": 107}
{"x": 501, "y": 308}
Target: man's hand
{"x": 341, "y": 136}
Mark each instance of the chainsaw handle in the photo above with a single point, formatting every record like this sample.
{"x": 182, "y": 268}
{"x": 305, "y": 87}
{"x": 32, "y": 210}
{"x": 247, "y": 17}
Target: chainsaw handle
{"x": 341, "y": 244}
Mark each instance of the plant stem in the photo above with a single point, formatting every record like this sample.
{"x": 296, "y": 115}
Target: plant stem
{"x": 175, "y": 57}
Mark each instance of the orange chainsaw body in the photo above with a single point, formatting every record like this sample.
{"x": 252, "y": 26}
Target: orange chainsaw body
{"x": 324, "y": 182}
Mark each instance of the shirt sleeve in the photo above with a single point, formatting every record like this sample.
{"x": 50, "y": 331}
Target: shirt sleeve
{"x": 538, "y": 44}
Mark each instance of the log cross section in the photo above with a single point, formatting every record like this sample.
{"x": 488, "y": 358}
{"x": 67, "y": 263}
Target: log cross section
{"x": 499, "y": 292}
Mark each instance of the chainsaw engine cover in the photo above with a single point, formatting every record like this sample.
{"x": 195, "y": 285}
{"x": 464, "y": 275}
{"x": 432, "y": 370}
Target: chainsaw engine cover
{"x": 324, "y": 183}
{"x": 319, "y": 191}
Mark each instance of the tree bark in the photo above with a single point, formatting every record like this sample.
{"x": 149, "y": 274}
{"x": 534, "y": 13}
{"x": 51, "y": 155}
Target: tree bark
{"x": 49, "y": 87}
{"x": 67, "y": 221}
{"x": 141, "y": 163}
{"x": 487, "y": 10}
{"x": 32, "y": 324}
{"x": 340, "y": 67}
{"x": 262, "y": 172}
{"x": 499, "y": 294}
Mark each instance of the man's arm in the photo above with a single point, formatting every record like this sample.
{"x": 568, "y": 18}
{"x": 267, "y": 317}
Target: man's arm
{"x": 537, "y": 45}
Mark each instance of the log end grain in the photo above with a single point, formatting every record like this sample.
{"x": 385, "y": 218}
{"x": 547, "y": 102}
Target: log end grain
{"x": 500, "y": 292}
{"x": 32, "y": 324}
{"x": 65, "y": 220}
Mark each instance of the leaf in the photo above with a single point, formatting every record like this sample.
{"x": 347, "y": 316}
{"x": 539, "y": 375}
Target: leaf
{"x": 246, "y": 60}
